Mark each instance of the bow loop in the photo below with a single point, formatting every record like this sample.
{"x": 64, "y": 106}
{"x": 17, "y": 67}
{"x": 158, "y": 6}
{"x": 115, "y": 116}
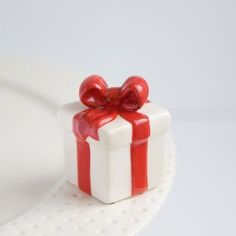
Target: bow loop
{"x": 133, "y": 93}
{"x": 93, "y": 91}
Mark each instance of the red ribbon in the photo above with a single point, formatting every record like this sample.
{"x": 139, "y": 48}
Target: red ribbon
{"x": 104, "y": 104}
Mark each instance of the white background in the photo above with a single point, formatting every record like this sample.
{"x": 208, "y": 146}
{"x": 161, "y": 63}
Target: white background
{"x": 186, "y": 50}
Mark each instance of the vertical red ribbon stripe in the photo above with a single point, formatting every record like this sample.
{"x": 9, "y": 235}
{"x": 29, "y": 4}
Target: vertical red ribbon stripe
{"x": 83, "y": 165}
{"x": 138, "y": 150}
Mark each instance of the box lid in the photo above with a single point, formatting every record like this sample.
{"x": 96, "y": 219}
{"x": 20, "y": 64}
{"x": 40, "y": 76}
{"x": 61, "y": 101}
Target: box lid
{"x": 119, "y": 131}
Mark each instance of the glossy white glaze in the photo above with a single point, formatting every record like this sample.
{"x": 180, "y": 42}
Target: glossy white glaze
{"x": 110, "y": 166}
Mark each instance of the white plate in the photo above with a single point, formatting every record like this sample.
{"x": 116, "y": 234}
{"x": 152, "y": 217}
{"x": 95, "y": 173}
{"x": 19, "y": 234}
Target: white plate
{"x": 31, "y": 162}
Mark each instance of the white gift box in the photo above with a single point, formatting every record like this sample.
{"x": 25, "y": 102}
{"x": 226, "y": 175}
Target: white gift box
{"x": 110, "y": 162}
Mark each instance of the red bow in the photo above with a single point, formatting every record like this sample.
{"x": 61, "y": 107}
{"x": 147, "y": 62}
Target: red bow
{"x": 104, "y": 104}
{"x": 131, "y": 96}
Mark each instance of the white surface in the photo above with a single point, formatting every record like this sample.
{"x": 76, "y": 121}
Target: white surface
{"x": 31, "y": 153}
{"x": 187, "y": 51}
{"x": 110, "y": 172}
{"x": 29, "y": 172}
{"x": 111, "y": 153}
{"x": 30, "y": 160}
{"x": 67, "y": 211}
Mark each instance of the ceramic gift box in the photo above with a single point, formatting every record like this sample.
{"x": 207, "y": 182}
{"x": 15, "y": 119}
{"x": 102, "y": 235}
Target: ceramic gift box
{"x": 115, "y": 139}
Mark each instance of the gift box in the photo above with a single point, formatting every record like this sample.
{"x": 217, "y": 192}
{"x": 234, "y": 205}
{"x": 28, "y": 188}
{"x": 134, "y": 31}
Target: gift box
{"x": 115, "y": 142}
